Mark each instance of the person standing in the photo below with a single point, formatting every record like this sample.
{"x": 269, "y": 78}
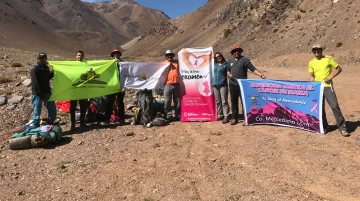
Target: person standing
{"x": 237, "y": 69}
{"x": 41, "y": 74}
{"x": 172, "y": 87}
{"x": 323, "y": 68}
{"x": 83, "y": 103}
{"x": 116, "y": 55}
{"x": 220, "y": 87}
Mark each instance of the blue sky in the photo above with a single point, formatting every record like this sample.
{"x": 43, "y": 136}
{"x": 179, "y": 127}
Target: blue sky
{"x": 172, "y": 8}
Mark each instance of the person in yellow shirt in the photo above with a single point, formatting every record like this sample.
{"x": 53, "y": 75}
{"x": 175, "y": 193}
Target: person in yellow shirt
{"x": 324, "y": 69}
{"x": 172, "y": 87}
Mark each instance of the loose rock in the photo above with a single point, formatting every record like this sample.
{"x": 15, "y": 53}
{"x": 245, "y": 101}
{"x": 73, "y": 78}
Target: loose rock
{"x": 129, "y": 133}
{"x": 16, "y": 100}
{"x": 3, "y": 100}
{"x": 26, "y": 82}
{"x": 11, "y": 107}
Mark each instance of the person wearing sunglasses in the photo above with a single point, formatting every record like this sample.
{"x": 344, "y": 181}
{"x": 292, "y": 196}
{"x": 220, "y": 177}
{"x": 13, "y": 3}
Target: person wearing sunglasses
{"x": 324, "y": 69}
{"x": 172, "y": 87}
{"x": 237, "y": 69}
{"x": 220, "y": 87}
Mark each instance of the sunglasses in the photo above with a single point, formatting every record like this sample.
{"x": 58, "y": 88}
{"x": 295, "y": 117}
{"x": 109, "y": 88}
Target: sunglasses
{"x": 218, "y": 57}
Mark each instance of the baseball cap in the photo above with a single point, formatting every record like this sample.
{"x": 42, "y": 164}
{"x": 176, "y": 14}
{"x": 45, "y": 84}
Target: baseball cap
{"x": 42, "y": 56}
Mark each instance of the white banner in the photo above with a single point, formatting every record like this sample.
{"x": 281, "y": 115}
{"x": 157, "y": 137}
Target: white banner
{"x": 136, "y": 75}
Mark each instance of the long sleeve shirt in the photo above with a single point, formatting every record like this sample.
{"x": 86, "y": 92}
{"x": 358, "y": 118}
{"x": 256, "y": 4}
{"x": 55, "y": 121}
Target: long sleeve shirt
{"x": 40, "y": 80}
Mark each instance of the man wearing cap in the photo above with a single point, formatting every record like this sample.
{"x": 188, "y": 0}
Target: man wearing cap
{"x": 172, "y": 87}
{"x": 237, "y": 69}
{"x": 325, "y": 69}
{"x": 84, "y": 104}
{"x": 116, "y": 54}
{"x": 41, "y": 74}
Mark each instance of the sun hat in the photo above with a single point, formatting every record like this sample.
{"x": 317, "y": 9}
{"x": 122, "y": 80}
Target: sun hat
{"x": 236, "y": 48}
{"x": 169, "y": 52}
{"x": 317, "y": 46}
{"x": 115, "y": 51}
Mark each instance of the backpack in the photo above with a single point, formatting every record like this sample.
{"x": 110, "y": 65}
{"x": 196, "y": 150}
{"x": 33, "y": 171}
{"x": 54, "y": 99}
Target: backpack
{"x": 146, "y": 105}
{"x": 96, "y": 110}
{"x": 159, "y": 101}
{"x": 35, "y": 137}
{"x": 159, "y": 121}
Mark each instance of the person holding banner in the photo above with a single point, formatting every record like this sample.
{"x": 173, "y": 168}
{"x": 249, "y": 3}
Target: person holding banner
{"x": 83, "y": 103}
{"x": 237, "y": 69}
{"x": 116, "y": 54}
{"x": 220, "y": 87}
{"x": 41, "y": 74}
{"x": 172, "y": 87}
{"x": 325, "y": 69}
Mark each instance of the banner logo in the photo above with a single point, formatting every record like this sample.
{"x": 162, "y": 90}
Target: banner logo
{"x": 89, "y": 78}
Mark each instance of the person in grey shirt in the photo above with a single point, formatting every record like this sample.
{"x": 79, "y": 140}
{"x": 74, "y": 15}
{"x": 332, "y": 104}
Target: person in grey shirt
{"x": 237, "y": 69}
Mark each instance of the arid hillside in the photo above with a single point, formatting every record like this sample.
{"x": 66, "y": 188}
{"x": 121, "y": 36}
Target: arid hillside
{"x": 265, "y": 28}
{"x": 60, "y": 26}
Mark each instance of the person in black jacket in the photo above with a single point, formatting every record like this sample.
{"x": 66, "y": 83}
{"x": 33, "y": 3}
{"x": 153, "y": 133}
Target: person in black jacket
{"x": 116, "y": 54}
{"x": 41, "y": 74}
{"x": 84, "y": 104}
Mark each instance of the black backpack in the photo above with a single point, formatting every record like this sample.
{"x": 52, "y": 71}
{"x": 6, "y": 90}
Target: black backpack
{"x": 146, "y": 105}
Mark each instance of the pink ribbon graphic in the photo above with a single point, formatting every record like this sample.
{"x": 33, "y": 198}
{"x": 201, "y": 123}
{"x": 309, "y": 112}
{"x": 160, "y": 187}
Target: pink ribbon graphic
{"x": 313, "y": 107}
{"x": 196, "y": 63}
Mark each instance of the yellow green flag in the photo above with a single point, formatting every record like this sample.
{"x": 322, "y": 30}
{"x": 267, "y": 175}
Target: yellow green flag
{"x": 76, "y": 80}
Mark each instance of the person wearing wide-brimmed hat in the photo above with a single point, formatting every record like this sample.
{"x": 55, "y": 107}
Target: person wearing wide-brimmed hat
{"x": 172, "y": 87}
{"x": 116, "y": 55}
{"x": 41, "y": 74}
{"x": 324, "y": 69}
{"x": 237, "y": 69}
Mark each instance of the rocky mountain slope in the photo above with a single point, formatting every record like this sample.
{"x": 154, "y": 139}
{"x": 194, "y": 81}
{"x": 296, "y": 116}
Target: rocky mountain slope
{"x": 62, "y": 25}
{"x": 263, "y": 28}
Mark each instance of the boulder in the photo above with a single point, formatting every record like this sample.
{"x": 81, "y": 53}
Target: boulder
{"x": 16, "y": 100}
{"x": 26, "y": 82}
{"x": 3, "y": 100}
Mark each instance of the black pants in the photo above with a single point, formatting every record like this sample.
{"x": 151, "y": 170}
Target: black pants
{"x": 235, "y": 94}
{"x": 84, "y": 104}
{"x": 110, "y": 105}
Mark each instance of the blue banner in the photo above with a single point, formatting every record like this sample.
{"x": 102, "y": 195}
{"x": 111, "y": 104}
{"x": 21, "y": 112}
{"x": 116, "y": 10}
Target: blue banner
{"x": 295, "y": 104}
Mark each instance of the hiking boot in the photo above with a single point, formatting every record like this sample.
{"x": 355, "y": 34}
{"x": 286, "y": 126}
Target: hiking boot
{"x": 105, "y": 123}
{"x": 225, "y": 121}
{"x": 345, "y": 133}
{"x": 234, "y": 122}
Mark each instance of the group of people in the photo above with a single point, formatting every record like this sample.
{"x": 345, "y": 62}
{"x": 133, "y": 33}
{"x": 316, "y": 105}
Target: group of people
{"x": 42, "y": 73}
{"x": 322, "y": 68}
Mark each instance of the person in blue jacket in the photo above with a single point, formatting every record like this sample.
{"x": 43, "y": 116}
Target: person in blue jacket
{"x": 220, "y": 87}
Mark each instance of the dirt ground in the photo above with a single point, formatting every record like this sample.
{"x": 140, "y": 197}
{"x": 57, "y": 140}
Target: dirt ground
{"x": 198, "y": 161}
